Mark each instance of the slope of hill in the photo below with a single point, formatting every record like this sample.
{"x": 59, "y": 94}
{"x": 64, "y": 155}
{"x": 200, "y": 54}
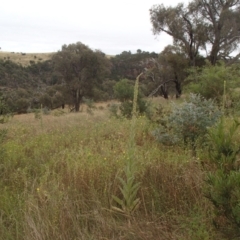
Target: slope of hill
{"x": 25, "y": 58}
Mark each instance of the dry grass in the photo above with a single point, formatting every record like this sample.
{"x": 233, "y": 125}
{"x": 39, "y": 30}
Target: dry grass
{"x": 25, "y": 58}
{"x": 58, "y": 175}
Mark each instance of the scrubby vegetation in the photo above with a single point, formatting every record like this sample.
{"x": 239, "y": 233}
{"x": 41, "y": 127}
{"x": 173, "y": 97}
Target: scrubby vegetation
{"x": 132, "y": 167}
{"x": 60, "y": 182}
{"x": 92, "y": 176}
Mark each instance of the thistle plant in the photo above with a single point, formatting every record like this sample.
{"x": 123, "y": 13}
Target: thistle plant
{"x": 129, "y": 187}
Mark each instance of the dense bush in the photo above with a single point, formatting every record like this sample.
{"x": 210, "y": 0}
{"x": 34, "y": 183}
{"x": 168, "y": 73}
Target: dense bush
{"x": 124, "y": 91}
{"x": 188, "y": 122}
{"x": 209, "y": 81}
{"x": 223, "y": 179}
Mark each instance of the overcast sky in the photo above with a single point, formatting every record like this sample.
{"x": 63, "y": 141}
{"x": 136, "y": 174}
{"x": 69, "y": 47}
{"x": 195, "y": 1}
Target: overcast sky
{"x": 109, "y": 25}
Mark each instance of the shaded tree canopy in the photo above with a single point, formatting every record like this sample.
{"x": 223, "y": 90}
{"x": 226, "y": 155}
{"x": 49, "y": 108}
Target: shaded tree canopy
{"x": 130, "y": 65}
{"x": 210, "y": 25}
{"x": 167, "y": 72}
{"x": 81, "y": 68}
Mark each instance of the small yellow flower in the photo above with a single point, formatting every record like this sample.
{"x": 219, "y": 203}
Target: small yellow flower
{"x": 38, "y": 189}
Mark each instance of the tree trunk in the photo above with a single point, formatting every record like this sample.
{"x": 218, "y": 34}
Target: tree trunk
{"x": 77, "y": 99}
{"x": 214, "y": 53}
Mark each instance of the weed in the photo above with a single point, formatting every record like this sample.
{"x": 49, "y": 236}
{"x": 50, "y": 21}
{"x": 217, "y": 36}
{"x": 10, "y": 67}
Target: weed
{"x": 129, "y": 188}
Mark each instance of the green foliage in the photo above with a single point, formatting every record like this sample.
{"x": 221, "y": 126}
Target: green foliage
{"x": 209, "y": 81}
{"x": 223, "y": 150}
{"x": 192, "y": 27}
{"x": 129, "y": 65}
{"x": 235, "y": 101}
{"x": 104, "y": 91}
{"x": 4, "y": 111}
{"x": 46, "y": 100}
{"x": 168, "y": 70}
{"x": 124, "y": 92}
{"x": 223, "y": 179}
{"x": 188, "y": 121}
{"x": 22, "y": 105}
{"x": 129, "y": 188}
{"x": 81, "y": 68}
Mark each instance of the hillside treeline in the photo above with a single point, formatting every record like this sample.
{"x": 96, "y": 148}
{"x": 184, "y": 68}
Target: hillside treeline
{"x": 204, "y": 34}
{"x": 43, "y": 84}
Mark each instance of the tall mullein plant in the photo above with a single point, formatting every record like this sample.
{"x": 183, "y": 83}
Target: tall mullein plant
{"x": 129, "y": 202}
{"x": 224, "y": 96}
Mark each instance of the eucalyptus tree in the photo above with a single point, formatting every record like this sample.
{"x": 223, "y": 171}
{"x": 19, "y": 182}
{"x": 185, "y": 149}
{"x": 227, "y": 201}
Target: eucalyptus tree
{"x": 184, "y": 27}
{"x": 81, "y": 68}
{"x": 210, "y": 25}
{"x": 222, "y": 21}
{"x": 167, "y": 72}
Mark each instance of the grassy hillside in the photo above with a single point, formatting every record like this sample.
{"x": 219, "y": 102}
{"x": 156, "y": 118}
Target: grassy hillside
{"x": 25, "y": 58}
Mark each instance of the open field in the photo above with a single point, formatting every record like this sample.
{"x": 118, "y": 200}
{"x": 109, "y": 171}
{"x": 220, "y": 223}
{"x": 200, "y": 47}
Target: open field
{"x": 59, "y": 173}
{"x": 25, "y": 58}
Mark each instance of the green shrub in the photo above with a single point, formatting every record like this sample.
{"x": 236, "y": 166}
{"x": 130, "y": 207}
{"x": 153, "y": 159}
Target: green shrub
{"x": 126, "y": 109}
{"x": 223, "y": 179}
{"x": 123, "y": 91}
{"x": 235, "y": 102}
{"x": 209, "y": 81}
{"x": 22, "y": 105}
{"x": 188, "y": 121}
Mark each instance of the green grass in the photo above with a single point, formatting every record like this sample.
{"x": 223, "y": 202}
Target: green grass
{"x": 57, "y": 178}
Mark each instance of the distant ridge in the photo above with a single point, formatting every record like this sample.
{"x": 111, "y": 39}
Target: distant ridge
{"x": 24, "y": 59}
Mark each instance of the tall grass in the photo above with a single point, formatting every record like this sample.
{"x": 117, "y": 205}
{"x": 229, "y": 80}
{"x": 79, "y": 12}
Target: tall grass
{"x": 57, "y": 181}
